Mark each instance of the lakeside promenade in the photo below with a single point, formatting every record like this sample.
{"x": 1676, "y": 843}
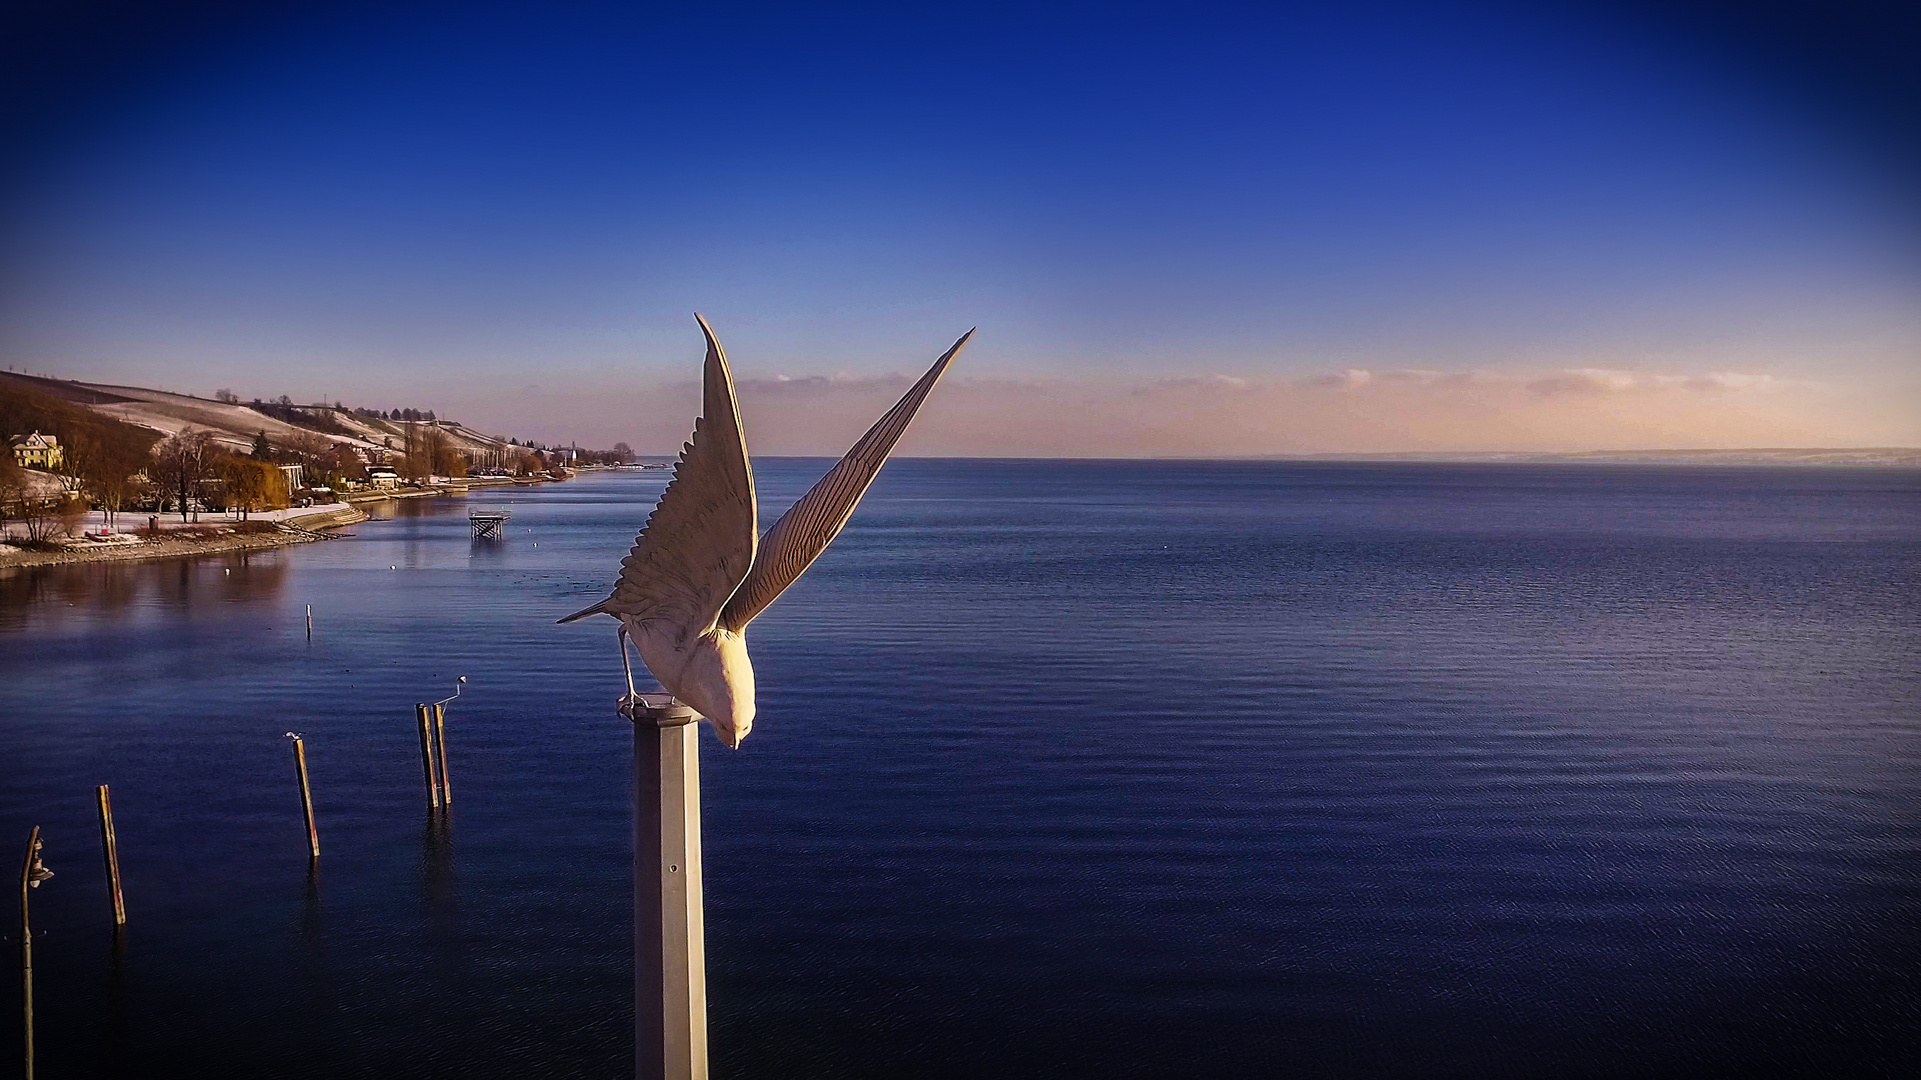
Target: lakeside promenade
{"x": 215, "y": 533}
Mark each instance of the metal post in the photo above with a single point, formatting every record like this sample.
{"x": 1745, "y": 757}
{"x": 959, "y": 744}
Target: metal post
{"x": 110, "y": 850}
{"x": 670, "y": 955}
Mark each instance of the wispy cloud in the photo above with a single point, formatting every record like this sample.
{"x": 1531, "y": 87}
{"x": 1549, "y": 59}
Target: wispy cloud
{"x": 1351, "y": 409}
{"x": 1351, "y": 379}
{"x": 1611, "y": 381}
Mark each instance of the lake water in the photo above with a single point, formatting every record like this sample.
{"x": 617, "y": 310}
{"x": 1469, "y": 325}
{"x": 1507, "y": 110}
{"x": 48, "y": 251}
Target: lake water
{"x": 1061, "y": 770}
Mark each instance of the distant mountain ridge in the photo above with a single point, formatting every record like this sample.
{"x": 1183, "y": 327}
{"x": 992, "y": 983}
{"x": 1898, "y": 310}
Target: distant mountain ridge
{"x": 234, "y": 424}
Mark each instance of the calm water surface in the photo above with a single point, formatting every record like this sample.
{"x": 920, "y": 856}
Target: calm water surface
{"x": 1061, "y": 769}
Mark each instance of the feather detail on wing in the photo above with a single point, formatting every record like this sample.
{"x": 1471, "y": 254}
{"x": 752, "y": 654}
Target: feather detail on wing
{"x": 807, "y": 527}
{"x": 699, "y": 542}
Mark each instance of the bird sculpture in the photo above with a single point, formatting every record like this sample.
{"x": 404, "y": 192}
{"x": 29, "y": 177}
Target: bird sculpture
{"x": 700, "y": 572}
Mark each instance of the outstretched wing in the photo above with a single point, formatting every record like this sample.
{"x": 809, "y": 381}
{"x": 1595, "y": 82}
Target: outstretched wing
{"x": 808, "y": 526}
{"x": 699, "y": 542}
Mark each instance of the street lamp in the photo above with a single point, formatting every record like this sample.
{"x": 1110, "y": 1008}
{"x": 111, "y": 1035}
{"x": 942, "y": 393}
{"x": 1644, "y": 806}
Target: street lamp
{"x": 458, "y": 683}
{"x": 440, "y": 741}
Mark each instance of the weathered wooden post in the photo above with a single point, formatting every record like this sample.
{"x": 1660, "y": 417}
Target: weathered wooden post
{"x": 440, "y": 741}
{"x": 309, "y": 622}
{"x": 110, "y": 850}
{"x": 670, "y": 950}
{"x": 306, "y": 793}
{"x": 427, "y": 756}
{"x": 31, "y": 875}
{"x": 438, "y": 719}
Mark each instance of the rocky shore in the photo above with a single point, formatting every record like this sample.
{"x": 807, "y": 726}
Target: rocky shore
{"x": 270, "y": 530}
{"x": 213, "y": 539}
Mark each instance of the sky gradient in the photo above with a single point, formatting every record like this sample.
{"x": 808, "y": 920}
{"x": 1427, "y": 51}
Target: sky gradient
{"x": 1181, "y": 229}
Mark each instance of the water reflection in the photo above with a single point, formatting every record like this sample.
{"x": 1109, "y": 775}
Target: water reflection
{"x": 445, "y": 938}
{"x": 114, "y": 1023}
{"x": 316, "y": 983}
{"x": 90, "y": 590}
{"x": 437, "y": 869}
{"x": 390, "y": 509}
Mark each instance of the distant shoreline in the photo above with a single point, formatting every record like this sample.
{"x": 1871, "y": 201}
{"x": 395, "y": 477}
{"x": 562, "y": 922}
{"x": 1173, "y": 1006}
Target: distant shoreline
{"x": 1871, "y": 456}
{"x": 1868, "y": 457}
{"x": 298, "y": 530}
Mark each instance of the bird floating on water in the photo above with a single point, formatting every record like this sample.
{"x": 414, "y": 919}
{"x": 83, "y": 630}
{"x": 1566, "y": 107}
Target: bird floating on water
{"x": 700, "y": 572}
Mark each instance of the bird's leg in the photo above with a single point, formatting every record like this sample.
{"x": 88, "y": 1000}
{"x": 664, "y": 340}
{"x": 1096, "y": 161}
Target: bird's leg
{"x": 625, "y": 664}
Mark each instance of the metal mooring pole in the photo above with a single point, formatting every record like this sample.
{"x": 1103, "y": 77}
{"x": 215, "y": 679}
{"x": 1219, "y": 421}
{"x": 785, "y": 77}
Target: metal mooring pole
{"x": 670, "y": 954}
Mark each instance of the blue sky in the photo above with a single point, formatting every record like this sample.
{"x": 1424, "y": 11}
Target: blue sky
{"x": 507, "y": 212}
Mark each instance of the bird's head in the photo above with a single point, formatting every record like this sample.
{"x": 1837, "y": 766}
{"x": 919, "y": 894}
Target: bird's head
{"x": 719, "y": 683}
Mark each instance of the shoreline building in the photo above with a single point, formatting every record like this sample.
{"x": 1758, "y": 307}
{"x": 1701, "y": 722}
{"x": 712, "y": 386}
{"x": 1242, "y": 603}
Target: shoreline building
{"x": 37, "y": 451}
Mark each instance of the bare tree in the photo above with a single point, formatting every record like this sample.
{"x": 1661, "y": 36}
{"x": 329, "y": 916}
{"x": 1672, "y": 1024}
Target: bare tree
{"x": 180, "y": 462}
{"x": 13, "y": 489}
{"x": 309, "y": 449}
{"x": 438, "y": 455}
{"x": 38, "y": 502}
{"x": 417, "y": 458}
{"x": 43, "y": 514}
{"x": 104, "y": 468}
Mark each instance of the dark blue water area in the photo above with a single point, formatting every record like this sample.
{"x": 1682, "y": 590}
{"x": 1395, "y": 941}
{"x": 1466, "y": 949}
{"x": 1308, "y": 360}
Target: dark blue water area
{"x": 1061, "y": 769}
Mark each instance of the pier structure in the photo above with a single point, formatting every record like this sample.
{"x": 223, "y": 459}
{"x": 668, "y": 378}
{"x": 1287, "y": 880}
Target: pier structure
{"x": 488, "y": 524}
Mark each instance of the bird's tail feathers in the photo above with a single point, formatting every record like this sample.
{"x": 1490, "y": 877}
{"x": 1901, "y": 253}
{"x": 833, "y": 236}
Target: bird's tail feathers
{"x": 597, "y": 609}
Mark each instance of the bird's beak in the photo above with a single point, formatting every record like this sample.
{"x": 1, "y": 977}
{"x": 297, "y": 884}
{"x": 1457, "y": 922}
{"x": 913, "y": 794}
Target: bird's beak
{"x": 731, "y": 738}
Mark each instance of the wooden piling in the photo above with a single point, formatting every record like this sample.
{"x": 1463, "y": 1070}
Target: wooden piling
{"x": 306, "y": 795}
{"x": 26, "y": 945}
{"x": 310, "y": 622}
{"x": 440, "y": 741}
{"x": 427, "y": 756}
{"x": 110, "y": 850}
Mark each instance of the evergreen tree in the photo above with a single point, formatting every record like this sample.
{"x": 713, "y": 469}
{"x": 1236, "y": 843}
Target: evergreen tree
{"x": 262, "y": 449}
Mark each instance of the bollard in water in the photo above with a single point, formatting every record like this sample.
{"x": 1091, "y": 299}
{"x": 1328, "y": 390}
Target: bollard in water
{"x": 440, "y": 741}
{"x": 427, "y": 756}
{"x": 306, "y": 792}
{"x": 110, "y": 850}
